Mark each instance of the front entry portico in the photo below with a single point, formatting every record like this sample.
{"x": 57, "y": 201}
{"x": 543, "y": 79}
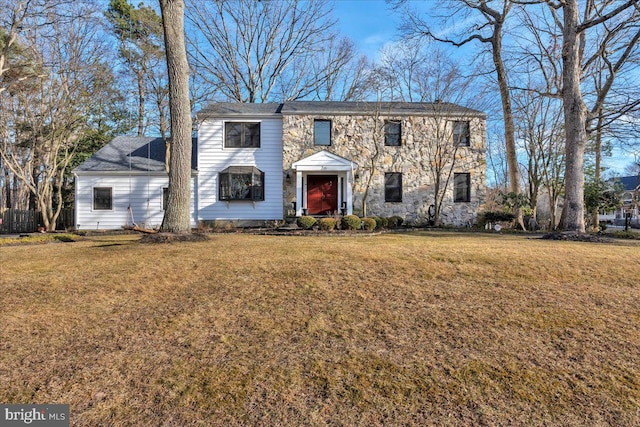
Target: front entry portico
{"x": 324, "y": 184}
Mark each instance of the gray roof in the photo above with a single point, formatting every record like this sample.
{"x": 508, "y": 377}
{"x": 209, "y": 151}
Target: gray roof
{"x": 226, "y": 109}
{"x": 135, "y": 154}
{"x": 629, "y": 183}
{"x": 382, "y": 108}
{"x": 233, "y": 109}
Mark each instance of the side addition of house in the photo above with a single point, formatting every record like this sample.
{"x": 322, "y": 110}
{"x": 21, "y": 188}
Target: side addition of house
{"x": 263, "y": 162}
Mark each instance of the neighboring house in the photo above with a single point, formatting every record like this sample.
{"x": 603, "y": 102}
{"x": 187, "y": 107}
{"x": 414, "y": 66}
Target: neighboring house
{"x": 630, "y": 202}
{"x": 264, "y": 162}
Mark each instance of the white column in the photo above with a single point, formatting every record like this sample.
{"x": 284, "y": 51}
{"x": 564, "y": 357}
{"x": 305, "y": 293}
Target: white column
{"x": 349, "y": 193}
{"x": 299, "y": 193}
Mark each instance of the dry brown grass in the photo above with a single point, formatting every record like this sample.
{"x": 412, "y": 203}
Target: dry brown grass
{"x": 421, "y": 329}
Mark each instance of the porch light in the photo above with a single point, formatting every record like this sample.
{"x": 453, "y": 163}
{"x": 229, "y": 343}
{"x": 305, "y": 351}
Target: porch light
{"x": 287, "y": 177}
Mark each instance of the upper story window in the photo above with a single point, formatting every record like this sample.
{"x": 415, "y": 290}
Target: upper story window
{"x": 393, "y": 187}
{"x": 322, "y": 132}
{"x": 241, "y": 183}
{"x": 461, "y": 187}
{"x": 392, "y": 133}
{"x": 242, "y": 135}
{"x": 102, "y": 198}
{"x": 461, "y": 135}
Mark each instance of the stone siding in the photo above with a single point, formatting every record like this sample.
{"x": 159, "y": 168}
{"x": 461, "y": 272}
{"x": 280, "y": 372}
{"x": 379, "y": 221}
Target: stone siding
{"x": 426, "y": 141}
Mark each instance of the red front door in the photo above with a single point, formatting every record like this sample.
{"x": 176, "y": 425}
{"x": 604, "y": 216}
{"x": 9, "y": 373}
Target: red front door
{"x": 322, "y": 194}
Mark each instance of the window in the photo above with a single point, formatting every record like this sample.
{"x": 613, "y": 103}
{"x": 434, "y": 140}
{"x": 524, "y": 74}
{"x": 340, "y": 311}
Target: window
{"x": 322, "y": 132}
{"x": 102, "y": 200}
{"x": 165, "y": 198}
{"x": 461, "y": 135}
{"x": 392, "y": 133}
{"x": 241, "y": 183}
{"x": 461, "y": 187}
{"x": 393, "y": 187}
{"x": 241, "y": 135}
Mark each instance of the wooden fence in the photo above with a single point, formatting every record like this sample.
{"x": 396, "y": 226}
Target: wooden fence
{"x": 14, "y": 221}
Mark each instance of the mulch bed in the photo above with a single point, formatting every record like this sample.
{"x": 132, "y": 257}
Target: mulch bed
{"x": 577, "y": 237}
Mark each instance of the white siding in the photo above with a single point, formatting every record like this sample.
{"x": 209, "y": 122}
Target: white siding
{"x": 143, "y": 188}
{"x": 213, "y": 157}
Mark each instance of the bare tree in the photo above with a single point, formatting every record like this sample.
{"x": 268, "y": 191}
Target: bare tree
{"x": 633, "y": 168}
{"x": 48, "y": 104}
{"x": 577, "y": 117}
{"x": 540, "y": 129}
{"x": 487, "y": 27}
{"x": 13, "y": 15}
{"x": 177, "y": 216}
{"x": 252, "y": 51}
{"x": 341, "y": 74}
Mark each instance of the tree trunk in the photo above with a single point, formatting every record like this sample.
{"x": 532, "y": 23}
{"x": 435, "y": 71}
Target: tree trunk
{"x": 7, "y": 189}
{"x": 177, "y": 216}
{"x": 33, "y": 203}
{"x": 507, "y": 112}
{"x": 575, "y": 114}
{"x": 141, "y": 100}
{"x": 595, "y": 220}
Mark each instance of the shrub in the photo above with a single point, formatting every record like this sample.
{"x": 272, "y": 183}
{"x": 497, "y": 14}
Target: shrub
{"x": 392, "y": 222}
{"x": 398, "y": 220}
{"x": 369, "y": 224}
{"x": 381, "y": 222}
{"x": 306, "y": 222}
{"x": 351, "y": 222}
{"x": 497, "y": 216}
{"x": 377, "y": 220}
{"x": 327, "y": 224}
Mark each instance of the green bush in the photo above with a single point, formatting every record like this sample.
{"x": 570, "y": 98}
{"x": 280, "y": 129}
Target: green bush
{"x": 381, "y": 222}
{"x": 351, "y": 222}
{"x": 369, "y": 224}
{"x": 497, "y": 216}
{"x": 306, "y": 222}
{"x": 392, "y": 222}
{"x": 377, "y": 220}
{"x": 398, "y": 220}
{"x": 327, "y": 224}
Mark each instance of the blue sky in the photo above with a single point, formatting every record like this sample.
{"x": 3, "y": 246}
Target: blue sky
{"x": 369, "y": 23}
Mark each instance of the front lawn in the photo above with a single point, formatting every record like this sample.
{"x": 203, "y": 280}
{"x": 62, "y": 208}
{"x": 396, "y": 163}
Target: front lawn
{"x": 395, "y": 329}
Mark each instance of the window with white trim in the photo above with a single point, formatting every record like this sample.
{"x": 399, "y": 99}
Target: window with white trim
{"x": 321, "y": 132}
{"x": 102, "y": 198}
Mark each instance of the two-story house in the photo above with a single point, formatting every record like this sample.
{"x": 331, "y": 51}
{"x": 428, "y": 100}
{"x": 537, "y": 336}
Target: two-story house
{"x": 262, "y": 162}
{"x": 630, "y": 197}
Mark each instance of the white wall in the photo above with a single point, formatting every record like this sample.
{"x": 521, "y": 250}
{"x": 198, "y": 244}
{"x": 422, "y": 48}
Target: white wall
{"x": 143, "y": 188}
{"x": 213, "y": 157}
